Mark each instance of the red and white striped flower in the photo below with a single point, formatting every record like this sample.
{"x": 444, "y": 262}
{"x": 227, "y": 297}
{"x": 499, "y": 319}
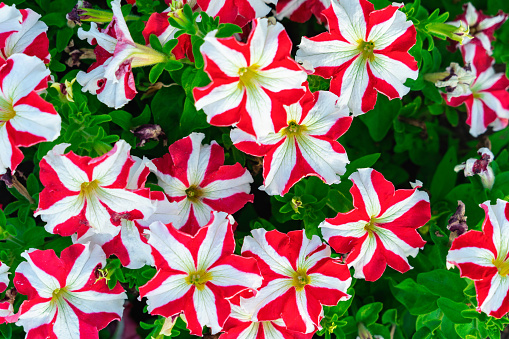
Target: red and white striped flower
{"x": 240, "y": 326}
{"x": 4, "y": 276}
{"x": 196, "y": 275}
{"x": 301, "y": 10}
{"x": 304, "y": 145}
{"x": 65, "y": 299}
{"x": 111, "y": 77}
{"x": 6, "y": 309}
{"x": 483, "y": 257}
{"x": 250, "y": 82}
{"x": 130, "y": 245}
{"x": 159, "y": 25}
{"x": 239, "y": 12}
{"x": 381, "y": 230}
{"x": 481, "y": 26}
{"x": 10, "y": 22}
{"x": 82, "y": 192}
{"x": 30, "y": 39}
{"x": 298, "y": 278}
{"x": 25, "y": 118}
{"x": 487, "y": 101}
{"x": 193, "y": 176}
{"x": 365, "y": 51}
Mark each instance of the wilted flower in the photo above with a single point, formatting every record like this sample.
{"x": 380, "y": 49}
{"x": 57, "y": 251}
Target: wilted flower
{"x": 456, "y": 80}
{"x": 149, "y": 132}
{"x": 480, "y": 167}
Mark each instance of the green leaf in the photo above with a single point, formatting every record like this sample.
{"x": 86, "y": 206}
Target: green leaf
{"x": 173, "y": 65}
{"x": 444, "y": 178}
{"x": 227, "y": 30}
{"x": 156, "y": 71}
{"x": 379, "y": 120}
{"x": 122, "y": 118}
{"x": 169, "y": 46}
{"x": 155, "y": 43}
{"x": 444, "y": 283}
{"x": 362, "y": 162}
{"x": 417, "y": 299}
{"x": 143, "y": 118}
{"x": 368, "y": 314}
{"x": 63, "y": 37}
{"x": 452, "y": 116}
{"x": 390, "y": 316}
{"x": 453, "y": 310}
{"x": 192, "y": 120}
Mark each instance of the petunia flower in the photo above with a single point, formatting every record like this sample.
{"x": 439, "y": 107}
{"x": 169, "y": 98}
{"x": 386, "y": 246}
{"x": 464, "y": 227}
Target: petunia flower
{"x": 301, "y": 10}
{"x": 483, "y": 257}
{"x": 196, "y": 275}
{"x": 130, "y": 245}
{"x": 82, "y": 192}
{"x": 65, "y": 299}
{"x": 381, "y": 230}
{"x": 240, "y": 325}
{"x": 365, "y": 51}
{"x": 250, "y": 82}
{"x": 305, "y": 143}
{"x": 487, "y": 101}
{"x": 30, "y": 39}
{"x": 481, "y": 26}
{"x": 159, "y": 25}
{"x": 25, "y": 118}
{"x": 193, "y": 176}
{"x": 456, "y": 80}
{"x": 4, "y": 276}
{"x": 299, "y": 276}
{"x": 110, "y": 77}
{"x": 239, "y": 12}
{"x": 480, "y": 167}
{"x": 6, "y": 309}
{"x": 10, "y": 22}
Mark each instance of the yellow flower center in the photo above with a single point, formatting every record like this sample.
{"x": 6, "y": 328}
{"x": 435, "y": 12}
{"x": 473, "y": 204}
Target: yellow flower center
{"x": 366, "y": 48}
{"x": 194, "y": 193}
{"x": 502, "y": 266}
{"x": 198, "y": 279}
{"x": 294, "y": 129}
{"x": 370, "y": 227}
{"x": 87, "y": 188}
{"x": 300, "y": 279}
{"x": 247, "y": 74}
{"x": 58, "y": 294}
{"x": 6, "y": 113}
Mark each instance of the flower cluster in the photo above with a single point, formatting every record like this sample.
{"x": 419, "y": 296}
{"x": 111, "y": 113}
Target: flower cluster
{"x": 161, "y": 226}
